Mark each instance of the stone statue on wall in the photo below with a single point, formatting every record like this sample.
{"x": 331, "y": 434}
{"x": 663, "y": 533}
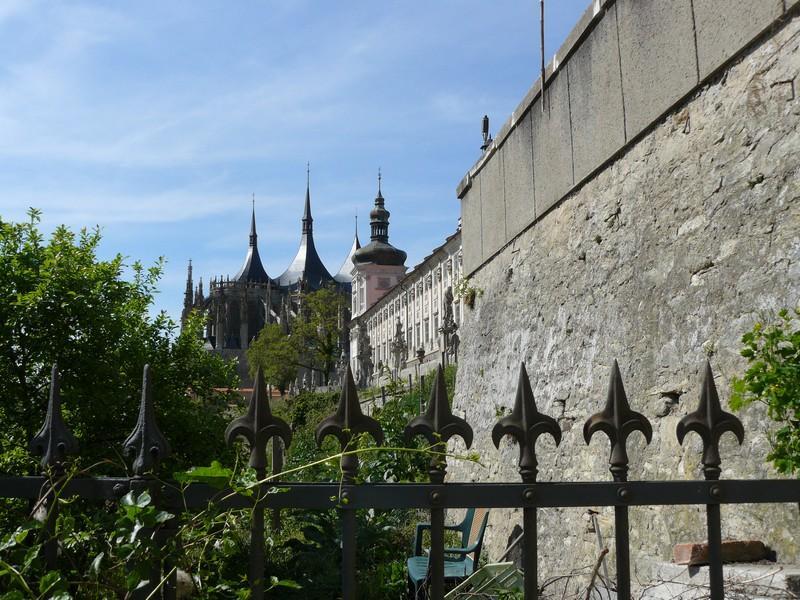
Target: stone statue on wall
{"x": 399, "y": 348}
{"x": 341, "y": 368}
{"x": 448, "y": 330}
{"x": 365, "y": 364}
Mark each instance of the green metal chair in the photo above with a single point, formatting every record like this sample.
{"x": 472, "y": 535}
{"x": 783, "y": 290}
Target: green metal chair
{"x": 458, "y": 564}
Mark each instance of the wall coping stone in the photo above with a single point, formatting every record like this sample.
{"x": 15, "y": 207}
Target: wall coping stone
{"x": 597, "y": 10}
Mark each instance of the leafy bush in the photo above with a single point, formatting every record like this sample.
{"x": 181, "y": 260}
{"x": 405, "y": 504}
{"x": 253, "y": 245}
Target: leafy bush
{"x": 60, "y": 303}
{"x": 108, "y": 551}
{"x": 772, "y": 351}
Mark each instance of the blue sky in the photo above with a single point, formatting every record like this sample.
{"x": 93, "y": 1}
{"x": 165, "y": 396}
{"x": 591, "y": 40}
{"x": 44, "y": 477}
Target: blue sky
{"x": 157, "y": 121}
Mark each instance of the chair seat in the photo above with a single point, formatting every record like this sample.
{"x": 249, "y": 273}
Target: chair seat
{"x": 453, "y": 569}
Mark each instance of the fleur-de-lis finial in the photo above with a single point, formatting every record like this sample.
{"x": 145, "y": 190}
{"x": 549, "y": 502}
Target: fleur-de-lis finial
{"x": 259, "y": 425}
{"x": 526, "y": 424}
{"x": 617, "y": 421}
{"x": 146, "y": 443}
{"x": 709, "y": 421}
{"x": 347, "y": 422}
{"x": 54, "y": 440}
{"x": 438, "y": 425}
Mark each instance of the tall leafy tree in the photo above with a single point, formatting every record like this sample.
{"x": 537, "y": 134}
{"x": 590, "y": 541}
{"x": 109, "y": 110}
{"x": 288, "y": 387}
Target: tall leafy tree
{"x": 276, "y": 354}
{"x": 312, "y": 341}
{"x": 316, "y": 331}
{"x": 60, "y": 303}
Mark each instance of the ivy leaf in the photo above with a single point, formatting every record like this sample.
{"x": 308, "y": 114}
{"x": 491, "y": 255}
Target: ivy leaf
{"x": 214, "y": 475}
{"x": 143, "y": 500}
{"x": 49, "y": 581}
{"x": 287, "y": 583}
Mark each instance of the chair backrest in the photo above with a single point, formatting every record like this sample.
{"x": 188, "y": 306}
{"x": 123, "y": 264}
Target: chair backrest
{"x": 472, "y": 529}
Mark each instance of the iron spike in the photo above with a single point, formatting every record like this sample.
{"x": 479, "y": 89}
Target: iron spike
{"x": 146, "y": 443}
{"x": 709, "y": 421}
{"x": 347, "y": 422}
{"x": 258, "y": 426}
{"x": 438, "y": 424}
{"x": 617, "y": 421}
{"x": 525, "y": 424}
{"x": 54, "y": 441}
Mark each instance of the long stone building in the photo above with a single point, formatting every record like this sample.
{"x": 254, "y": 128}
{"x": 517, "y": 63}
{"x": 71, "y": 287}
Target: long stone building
{"x": 402, "y": 322}
{"x": 641, "y": 204}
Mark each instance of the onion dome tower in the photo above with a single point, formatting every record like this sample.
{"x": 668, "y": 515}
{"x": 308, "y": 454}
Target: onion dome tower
{"x": 307, "y": 266}
{"x": 378, "y": 266}
{"x": 379, "y": 251}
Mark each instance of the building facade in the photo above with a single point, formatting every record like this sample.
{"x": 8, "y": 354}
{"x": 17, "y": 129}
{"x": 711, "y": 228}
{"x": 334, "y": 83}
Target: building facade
{"x": 411, "y": 325}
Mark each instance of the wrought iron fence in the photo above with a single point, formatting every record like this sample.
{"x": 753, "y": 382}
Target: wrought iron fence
{"x": 146, "y": 446}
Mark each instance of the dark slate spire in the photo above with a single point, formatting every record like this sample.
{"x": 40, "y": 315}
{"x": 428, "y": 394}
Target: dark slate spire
{"x": 308, "y": 220}
{"x": 253, "y": 234}
{"x": 307, "y": 265}
{"x": 379, "y": 250}
{"x": 252, "y": 270}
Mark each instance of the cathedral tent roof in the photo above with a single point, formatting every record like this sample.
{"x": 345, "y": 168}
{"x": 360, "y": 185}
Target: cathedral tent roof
{"x": 252, "y": 270}
{"x": 345, "y": 272}
{"x": 307, "y": 265}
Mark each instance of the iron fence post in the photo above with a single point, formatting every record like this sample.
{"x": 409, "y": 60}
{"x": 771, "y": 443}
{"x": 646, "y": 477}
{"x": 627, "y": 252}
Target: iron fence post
{"x": 438, "y": 425}
{"x": 258, "y": 426}
{"x": 345, "y": 424}
{"x": 709, "y": 421}
{"x": 257, "y": 553}
{"x": 715, "y": 552}
{"x": 436, "y": 560}
{"x": 530, "y": 556}
{"x": 618, "y": 421}
{"x": 277, "y": 467}
{"x": 54, "y": 442}
{"x": 525, "y": 424}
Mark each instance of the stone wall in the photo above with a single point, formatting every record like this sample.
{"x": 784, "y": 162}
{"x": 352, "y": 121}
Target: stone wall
{"x": 625, "y": 65}
{"x": 664, "y": 256}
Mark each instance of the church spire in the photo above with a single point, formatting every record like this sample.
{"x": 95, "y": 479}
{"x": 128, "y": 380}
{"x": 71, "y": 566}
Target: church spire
{"x": 308, "y": 221}
{"x": 252, "y": 269}
{"x": 188, "y": 295}
{"x": 253, "y": 234}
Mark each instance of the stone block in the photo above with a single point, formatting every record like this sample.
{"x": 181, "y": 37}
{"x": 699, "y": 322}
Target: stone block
{"x": 595, "y": 94}
{"x": 657, "y": 54}
{"x": 724, "y": 27}
{"x": 493, "y": 205}
{"x": 471, "y": 240}
{"x": 733, "y": 551}
{"x": 552, "y": 145}
{"x": 518, "y": 177}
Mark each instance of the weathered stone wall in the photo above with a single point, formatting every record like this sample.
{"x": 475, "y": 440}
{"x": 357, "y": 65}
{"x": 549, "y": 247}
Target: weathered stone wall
{"x": 667, "y": 255}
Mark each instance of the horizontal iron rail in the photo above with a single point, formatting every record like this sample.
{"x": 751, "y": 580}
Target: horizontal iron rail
{"x": 322, "y": 496}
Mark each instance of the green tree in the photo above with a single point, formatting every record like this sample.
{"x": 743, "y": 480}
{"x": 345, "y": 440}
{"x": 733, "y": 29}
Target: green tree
{"x": 316, "y": 331}
{"x": 276, "y": 354}
{"x": 60, "y": 303}
{"x": 772, "y": 351}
